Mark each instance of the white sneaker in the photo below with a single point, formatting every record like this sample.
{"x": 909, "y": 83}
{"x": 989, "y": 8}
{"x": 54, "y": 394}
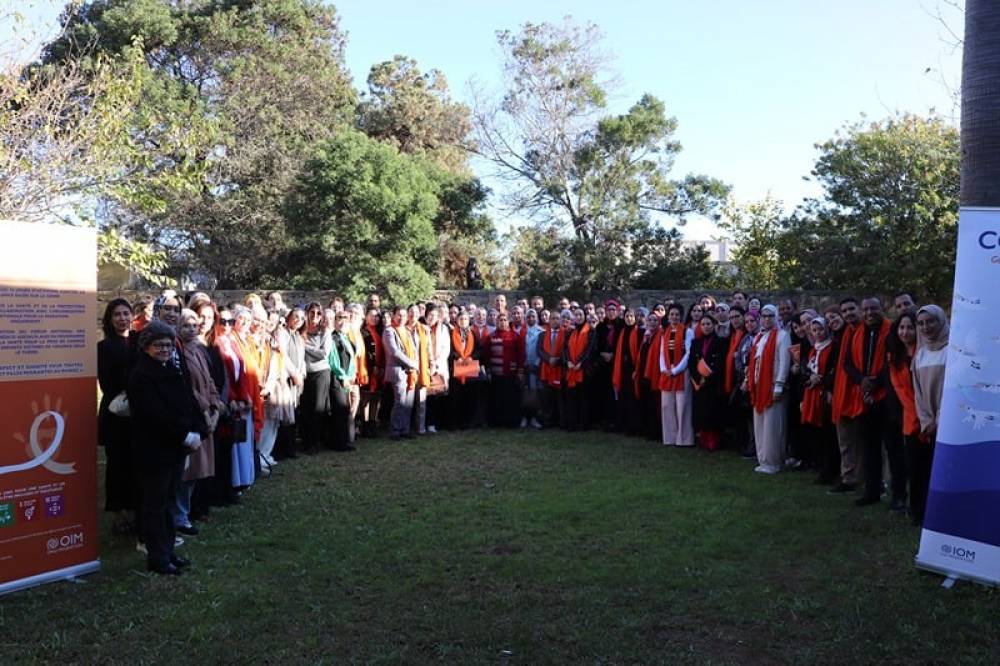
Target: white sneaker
{"x": 792, "y": 462}
{"x": 140, "y": 547}
{"x": 524, "y": 423}
{"x": 178, "y": 541}
{"x": 535, "y": 424}
{"x": 432, "y": 430}
{"x": 764, "y": 469}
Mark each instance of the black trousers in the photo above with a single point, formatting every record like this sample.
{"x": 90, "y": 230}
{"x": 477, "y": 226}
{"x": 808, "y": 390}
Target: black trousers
{"x": 462, "y": 403}
{"x": 575, "y": 406}
{"x": 877, "y": 431}
{"x": 314, "y": 408}
{"x": 919, "y": 456}
{"x": 437, "y": 414}
{"x": 505, "y": 402}
{"x": 550, "y": 399}
{"x": 159, "y": 484}
{"x": 339, "y": 433}
{"x": 824, "y": 451}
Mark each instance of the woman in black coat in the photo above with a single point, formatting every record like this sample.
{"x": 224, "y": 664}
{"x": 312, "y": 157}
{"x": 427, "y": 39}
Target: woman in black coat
{"x": 166, "y": 426}
{"x": 707, "y": 365}
{"x": 114, "y": 358}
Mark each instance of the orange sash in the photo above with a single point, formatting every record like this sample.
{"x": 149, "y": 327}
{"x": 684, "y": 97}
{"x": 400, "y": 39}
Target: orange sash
{"x": 762, "y": 390}
{"x": 633, "y": 346}
{"x": 652, "y": 369}
{"x": 361, "y": 372}
{"x": 252, "y": 363}
{"x": 578, "y": 341}
{"x": 379, "y": 357}
{"x": 735, "y": 337}
{"x": 812, "y": 398}
{"x": 669, "y": 382}
{"x": 552, "y": 374}
{"x": 424, "y": 364}
{"x": 465, "y": 350}
{"x": 843, "y": 389}
{"x": 902, "y": 381}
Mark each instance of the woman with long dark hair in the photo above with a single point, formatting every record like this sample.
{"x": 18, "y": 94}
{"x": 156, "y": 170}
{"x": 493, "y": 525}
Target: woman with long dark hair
{"x": 114, "y": 357}
{"x": 706, "y": 367}
{"x": 675, "y": 390}
{"x": 625, "y": 375}
{"x": 315, "y": 403}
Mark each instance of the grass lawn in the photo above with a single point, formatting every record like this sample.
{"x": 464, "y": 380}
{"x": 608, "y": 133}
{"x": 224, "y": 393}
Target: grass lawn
{"x": 519, "y": 547}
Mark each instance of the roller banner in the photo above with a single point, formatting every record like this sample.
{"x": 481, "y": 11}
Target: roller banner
{"x": 961, "y": 533}
{"x": 48, "y": 398}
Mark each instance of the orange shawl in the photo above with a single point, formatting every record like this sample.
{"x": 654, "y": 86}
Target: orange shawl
{"x": 735, "y": 338}
{"x": 762, "y": 390}
{"x": 252, "y": 364}
{"x": 578, "y": 341}
{"x": 878, "y": 357}
{"x": 902, "y": 381}
{"x": 552, "y": 374}
{"x": 379, "y": 358}
{"x": 633, "y": 346}
{"x": 669, "y": 382}
{"x": 842, "y": 388}
{"x": 652, "y": 369}
{"x": 464, "y": 351}
{"x": 812, "y": 398}
{"x": 360, "y": 354}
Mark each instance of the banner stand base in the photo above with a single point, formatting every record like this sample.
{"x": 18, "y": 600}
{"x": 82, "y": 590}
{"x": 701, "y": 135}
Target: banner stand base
{"x": 69, "y": 574}
{"x": 948, "y": 582}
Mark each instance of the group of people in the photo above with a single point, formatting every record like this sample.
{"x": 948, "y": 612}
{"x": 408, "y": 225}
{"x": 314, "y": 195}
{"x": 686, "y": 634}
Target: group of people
{"x": 201, "y": 399}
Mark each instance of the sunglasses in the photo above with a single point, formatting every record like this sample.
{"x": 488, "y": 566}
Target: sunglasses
{"x": 227, "y": 322}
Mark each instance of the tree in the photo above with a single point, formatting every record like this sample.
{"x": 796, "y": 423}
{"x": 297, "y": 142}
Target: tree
{"x": 256, "y": 83}
{"x": 758, "y": 234}
{"x": 414, "y": 112}
{"x": 981, "y": 105}
{"x": 567, "y": 165}
{"x": 887, "y": 219}
{"x": 362, "y": 215}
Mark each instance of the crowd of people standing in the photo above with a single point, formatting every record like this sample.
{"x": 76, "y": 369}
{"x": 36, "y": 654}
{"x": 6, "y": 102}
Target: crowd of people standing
{"x": 201, "y": 399}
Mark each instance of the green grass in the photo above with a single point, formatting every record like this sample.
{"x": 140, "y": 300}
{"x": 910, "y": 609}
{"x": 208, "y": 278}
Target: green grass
{"x": 525, "y": 548}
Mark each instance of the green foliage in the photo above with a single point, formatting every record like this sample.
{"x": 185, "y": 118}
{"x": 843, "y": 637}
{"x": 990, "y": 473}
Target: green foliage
{"x": 888, "y": 218}
{"x": 597, "y": 185}
{"x": 139, "y": 258}
{"x": 757, "y": 230}
{"x": 362, "y": 216}
{"x": 414, "y": 112}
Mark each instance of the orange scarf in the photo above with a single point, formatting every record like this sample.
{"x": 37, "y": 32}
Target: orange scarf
{"x": 379, "y": 358}
{"x": 633, "y": 346}
{"x": 669, "y": 382}
{"x": 878, "y": 355}
{"x": 550, "y": 374}
{"x": 843, "y": 390}
{"x": 902, "y": 381}
{"x": 464, "y": 350}
{"x": 652, "y": 369}
{"x": 252, "y": 366}
{"x": 423, "y": 364}
{"x": 812, "y": 398}
{"x": 407, "y": 341}
{"x": 361, "y": 372}
{"x": 762, "y": 390}
{"x": 578, "y": 341}
{"x": 735, "y": 338}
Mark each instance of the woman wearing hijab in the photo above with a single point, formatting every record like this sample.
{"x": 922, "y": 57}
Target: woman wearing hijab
{"x": 767, "y": 376}
{"x": 675, "y": 389}
{"x": 166, "y": 425}
{"x": 624, "y": 376}
{"x": 707, "y": 366}
{"x": 531, "y": 398}
{"x": 928, "y": 385}
{"x": 817, "y": 396}
{"x": 577, "y": 354}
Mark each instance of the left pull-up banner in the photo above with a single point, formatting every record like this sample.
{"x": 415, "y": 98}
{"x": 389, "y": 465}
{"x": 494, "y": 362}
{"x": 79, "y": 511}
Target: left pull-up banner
{"x": 48, "y": 399}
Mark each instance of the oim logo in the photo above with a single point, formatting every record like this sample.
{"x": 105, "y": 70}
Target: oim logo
{"x": 65, "y": 542}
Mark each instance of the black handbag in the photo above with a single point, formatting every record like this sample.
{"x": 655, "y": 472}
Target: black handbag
{"x": 239, "y": 425}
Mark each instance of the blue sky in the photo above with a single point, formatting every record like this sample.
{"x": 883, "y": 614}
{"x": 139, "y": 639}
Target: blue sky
{"x": 754, "y": 85}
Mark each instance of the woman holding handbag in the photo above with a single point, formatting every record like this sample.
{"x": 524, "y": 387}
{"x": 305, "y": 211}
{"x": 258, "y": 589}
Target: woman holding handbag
{"x": 707, "y": 367}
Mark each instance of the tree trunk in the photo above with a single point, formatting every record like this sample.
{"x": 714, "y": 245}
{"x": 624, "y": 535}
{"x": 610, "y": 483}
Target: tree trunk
{"x": 981, "y": 105}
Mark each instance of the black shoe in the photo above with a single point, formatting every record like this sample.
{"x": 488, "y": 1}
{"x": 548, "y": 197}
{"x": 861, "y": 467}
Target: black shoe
{"x": 187, "y": 530}
{"x": 180, "y": 562}
{"x": 345, "y": 448}
{"x": 841, "y": 488}
{"x": 408, "y": 435}
{"x": 165, "y": 570}
{"x": 898, "y": 505}
{"x": 866, "y": 501}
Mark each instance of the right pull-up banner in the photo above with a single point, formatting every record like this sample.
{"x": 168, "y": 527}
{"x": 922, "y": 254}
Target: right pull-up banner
{"x": 961, "y": 534}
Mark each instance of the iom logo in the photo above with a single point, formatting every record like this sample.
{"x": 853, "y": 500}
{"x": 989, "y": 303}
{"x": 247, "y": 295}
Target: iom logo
{"x": 958, "y": 553}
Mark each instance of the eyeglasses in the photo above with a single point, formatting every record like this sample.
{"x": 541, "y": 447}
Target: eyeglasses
{"x": 162, "y": 345}
{"x": 227, "y": 322}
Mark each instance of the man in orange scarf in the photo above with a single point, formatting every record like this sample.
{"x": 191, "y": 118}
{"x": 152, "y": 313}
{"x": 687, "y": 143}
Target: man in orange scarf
{"x": 847, "y": 404}
{"x": 866, "y": 368}
{"x": 421, "y": 340}
{"x": 551, "y": 343}
{"x": 401, "y": 363}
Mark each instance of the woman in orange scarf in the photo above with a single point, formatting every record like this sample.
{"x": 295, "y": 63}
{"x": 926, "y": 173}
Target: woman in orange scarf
{"x": 462, "y": 391}
{"x": 576, "y": 360}
{"x": 675, "y": 389}
{"x": 624, "y": 375}
{"x": 374, "y": 363}
{"x": 649, "y": 388}
{"x": 817, "y": 397}
{"x": 770, "y": 362}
